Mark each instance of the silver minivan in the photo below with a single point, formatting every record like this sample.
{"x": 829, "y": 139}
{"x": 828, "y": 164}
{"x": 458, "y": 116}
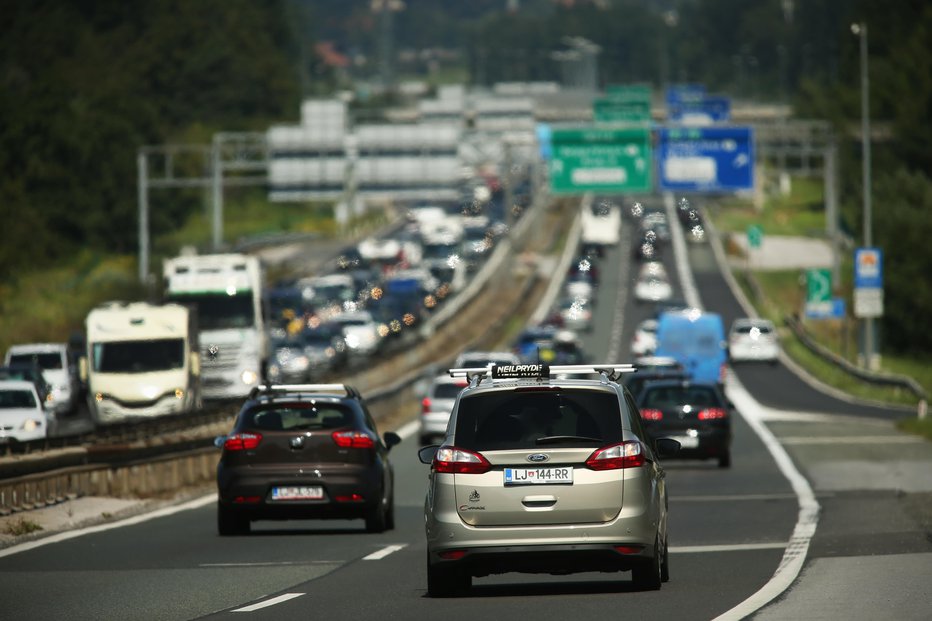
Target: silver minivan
{"x": 544, "y": 475}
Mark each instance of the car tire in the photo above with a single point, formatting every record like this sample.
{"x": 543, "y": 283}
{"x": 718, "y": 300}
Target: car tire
{"x": 649, "y": 575}
{"x": 377, "y": 519}
{"x": 665, "y": 563}
{"x": 447, "y": 582}
{"x": 724, "y": 460}
{"x": 230, "y": 524}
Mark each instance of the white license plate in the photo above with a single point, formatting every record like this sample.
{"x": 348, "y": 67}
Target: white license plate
{"x": 687, "y": 442}
{"x": 299, "y": 492}
{"x": 538, "y": 476}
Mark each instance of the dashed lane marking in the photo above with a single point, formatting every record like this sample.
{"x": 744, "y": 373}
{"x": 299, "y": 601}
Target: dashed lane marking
{"x": 380, "y": 554}
{"x": 269, "y": 602}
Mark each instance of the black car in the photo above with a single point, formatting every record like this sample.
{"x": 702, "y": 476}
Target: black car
{"x": 696, "y": 415}
{"x": 307, "y": 451}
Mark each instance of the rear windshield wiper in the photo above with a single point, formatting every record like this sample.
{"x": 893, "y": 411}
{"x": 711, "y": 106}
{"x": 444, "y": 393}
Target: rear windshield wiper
{"x": 562, "y": 439}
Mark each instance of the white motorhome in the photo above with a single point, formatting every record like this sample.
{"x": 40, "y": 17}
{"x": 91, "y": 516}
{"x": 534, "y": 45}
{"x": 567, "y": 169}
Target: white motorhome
{"x": 601, "y": 224}
{"x": 226, "y": 289}
{"x": 142, "y": 361}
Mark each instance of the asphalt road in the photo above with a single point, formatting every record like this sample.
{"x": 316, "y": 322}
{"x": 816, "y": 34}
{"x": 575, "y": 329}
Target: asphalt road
{"x": 728, "y": 529}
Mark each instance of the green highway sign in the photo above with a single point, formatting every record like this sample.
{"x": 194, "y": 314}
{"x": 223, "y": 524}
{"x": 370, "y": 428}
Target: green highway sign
{"x": 610, "y": 110}
{"x": 612, "y": 160}
{"x": 755, "y": 236}
{"x": 818, "y": 286}
{"x": 630, "y": 92}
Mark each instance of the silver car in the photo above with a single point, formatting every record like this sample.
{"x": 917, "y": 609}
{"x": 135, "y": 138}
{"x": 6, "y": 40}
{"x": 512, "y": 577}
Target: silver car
{"x": 545, "y": 475}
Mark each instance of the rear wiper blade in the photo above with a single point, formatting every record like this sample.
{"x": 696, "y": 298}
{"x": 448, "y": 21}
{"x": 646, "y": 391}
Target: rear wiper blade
{"x": 562, "y": 439}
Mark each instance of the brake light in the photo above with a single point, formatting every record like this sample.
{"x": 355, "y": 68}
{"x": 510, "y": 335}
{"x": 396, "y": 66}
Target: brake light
{"x": 651, "y": 414}
{"x": 425, "y": 405}
{"x": 712, "y": 414}
{"x": 242, "y": 441}
{"x": 625, "y": 455}
{"x": 452, "y": 460}
{"x": 352, "y": 439}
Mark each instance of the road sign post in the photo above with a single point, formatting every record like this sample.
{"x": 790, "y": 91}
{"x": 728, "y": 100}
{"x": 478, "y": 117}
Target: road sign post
{"x": 601, "y": 160}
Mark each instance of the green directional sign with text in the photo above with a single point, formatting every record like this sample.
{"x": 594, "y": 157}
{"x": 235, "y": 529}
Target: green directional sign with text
{"x": 629, "y": 92}
{"x": 818, "y": 286}
{"x": 612, "y": 160}
{"x": 608, "y": 110}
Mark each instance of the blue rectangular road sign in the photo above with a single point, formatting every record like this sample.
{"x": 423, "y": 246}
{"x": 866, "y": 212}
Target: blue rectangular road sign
{"x": 706, "y": 159}
{"x": 708, "y": 109}
{"x": 684, "y": 92}
{"x": 868, "y": 268}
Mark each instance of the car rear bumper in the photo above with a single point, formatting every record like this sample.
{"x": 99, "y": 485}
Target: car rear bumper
{"x": 250, "y": 493}
{"x": 545, "y": 559}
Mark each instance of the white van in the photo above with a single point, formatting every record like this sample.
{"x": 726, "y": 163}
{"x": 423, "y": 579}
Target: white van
{"x": 142, "y": 361}
{"x": 58, "y": 368}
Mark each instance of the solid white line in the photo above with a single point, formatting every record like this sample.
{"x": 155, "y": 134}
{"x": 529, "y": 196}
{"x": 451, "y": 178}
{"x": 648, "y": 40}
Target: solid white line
{"x": 138, "y": 519}
{"x": 271, "y": 564}
{"x": 738, "y": 547}
{"x": 752, "y": 412}
{"x": 269, "y": 602}
{"x": 852, "y": 440}
{"x": 732, "y": 497}
{"x": 408, "y": 429}
{"x": 380, "y": 554}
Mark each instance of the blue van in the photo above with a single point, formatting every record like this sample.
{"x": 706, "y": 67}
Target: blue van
{"x": 697, "y": 341}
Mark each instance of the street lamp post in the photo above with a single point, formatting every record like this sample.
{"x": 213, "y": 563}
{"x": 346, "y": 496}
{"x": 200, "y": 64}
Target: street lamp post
{"x": 860, "y": 30}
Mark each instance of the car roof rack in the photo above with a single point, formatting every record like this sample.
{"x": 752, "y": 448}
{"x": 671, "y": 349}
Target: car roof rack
{"x": 278, "y": 389}
{"x": 540, "y": 371}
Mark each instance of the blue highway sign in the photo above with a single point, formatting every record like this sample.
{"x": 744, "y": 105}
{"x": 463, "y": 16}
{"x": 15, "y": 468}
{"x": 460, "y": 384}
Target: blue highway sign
{"x": 708, "y": 109}
{"x": 706, "y": 159}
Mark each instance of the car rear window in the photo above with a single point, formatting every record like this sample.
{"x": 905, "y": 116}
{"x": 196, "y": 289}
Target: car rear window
{"x": 518, "y": 419}
{"x": 447, "y": 391}
{"x": 660, "y": 397}
{"x": 298, "y": 416}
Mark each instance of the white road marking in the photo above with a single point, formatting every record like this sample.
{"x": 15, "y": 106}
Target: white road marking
{"x": 408, "y": 429}
{"x": 269, "y": 602}
{"x": 737, "y": 547}
{"x": 138, "y": 519}
{"x": 380, "y": 554}
{"x": 752, "y": 412}
{"x": 793, "y": 440}
{"x": 272, "y": 564}
{"x": 732, "y": 497}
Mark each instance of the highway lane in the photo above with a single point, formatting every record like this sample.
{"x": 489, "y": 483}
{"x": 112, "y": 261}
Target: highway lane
{"x": 728, "y": 528}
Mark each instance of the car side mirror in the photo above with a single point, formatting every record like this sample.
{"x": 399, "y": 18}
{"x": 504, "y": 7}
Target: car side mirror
{"x": 426, "y": 454}
{"x": 667, "y": 447}
{"x": 391, "y": 439}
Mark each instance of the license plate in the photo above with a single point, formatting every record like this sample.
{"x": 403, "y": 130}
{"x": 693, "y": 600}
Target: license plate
{"x": 538, "y": 476}
{"x": 687, "y": 442}
{"x": 299, "y": 492}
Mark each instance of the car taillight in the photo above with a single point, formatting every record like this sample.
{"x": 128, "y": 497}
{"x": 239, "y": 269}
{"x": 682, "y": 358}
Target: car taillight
{"x": 625, "y": 455}
{"x": 651, "y": 414}
{"x": 452, "y": 460}
{"x": 352, "y": 439}
{"x": 242, "y": 441}
{"x": 712, "y": 414}
{"x": 425, "y": 405}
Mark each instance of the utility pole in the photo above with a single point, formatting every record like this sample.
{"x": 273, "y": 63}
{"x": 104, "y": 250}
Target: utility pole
{"x": 860, "y": 30}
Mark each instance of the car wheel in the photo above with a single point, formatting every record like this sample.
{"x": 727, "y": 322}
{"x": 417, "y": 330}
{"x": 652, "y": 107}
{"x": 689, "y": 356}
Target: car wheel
{"x": 446, "y": 581}
{"x": 390, "y": 514}
{"x": 665, "y": 563}
{"x": 724, "y": 461}
{"x": 648, "y": 577}
{"x": 377, "y": 519}
{"x": 229, "y": 523}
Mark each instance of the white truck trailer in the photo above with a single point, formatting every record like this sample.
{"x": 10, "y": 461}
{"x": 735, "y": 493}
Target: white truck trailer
{"x": 142, "y": 361}
{"x": 226, "y": 289}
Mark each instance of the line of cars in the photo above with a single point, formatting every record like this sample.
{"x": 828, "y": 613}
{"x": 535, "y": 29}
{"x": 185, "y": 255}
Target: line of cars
{"x": 38, "y": 385}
